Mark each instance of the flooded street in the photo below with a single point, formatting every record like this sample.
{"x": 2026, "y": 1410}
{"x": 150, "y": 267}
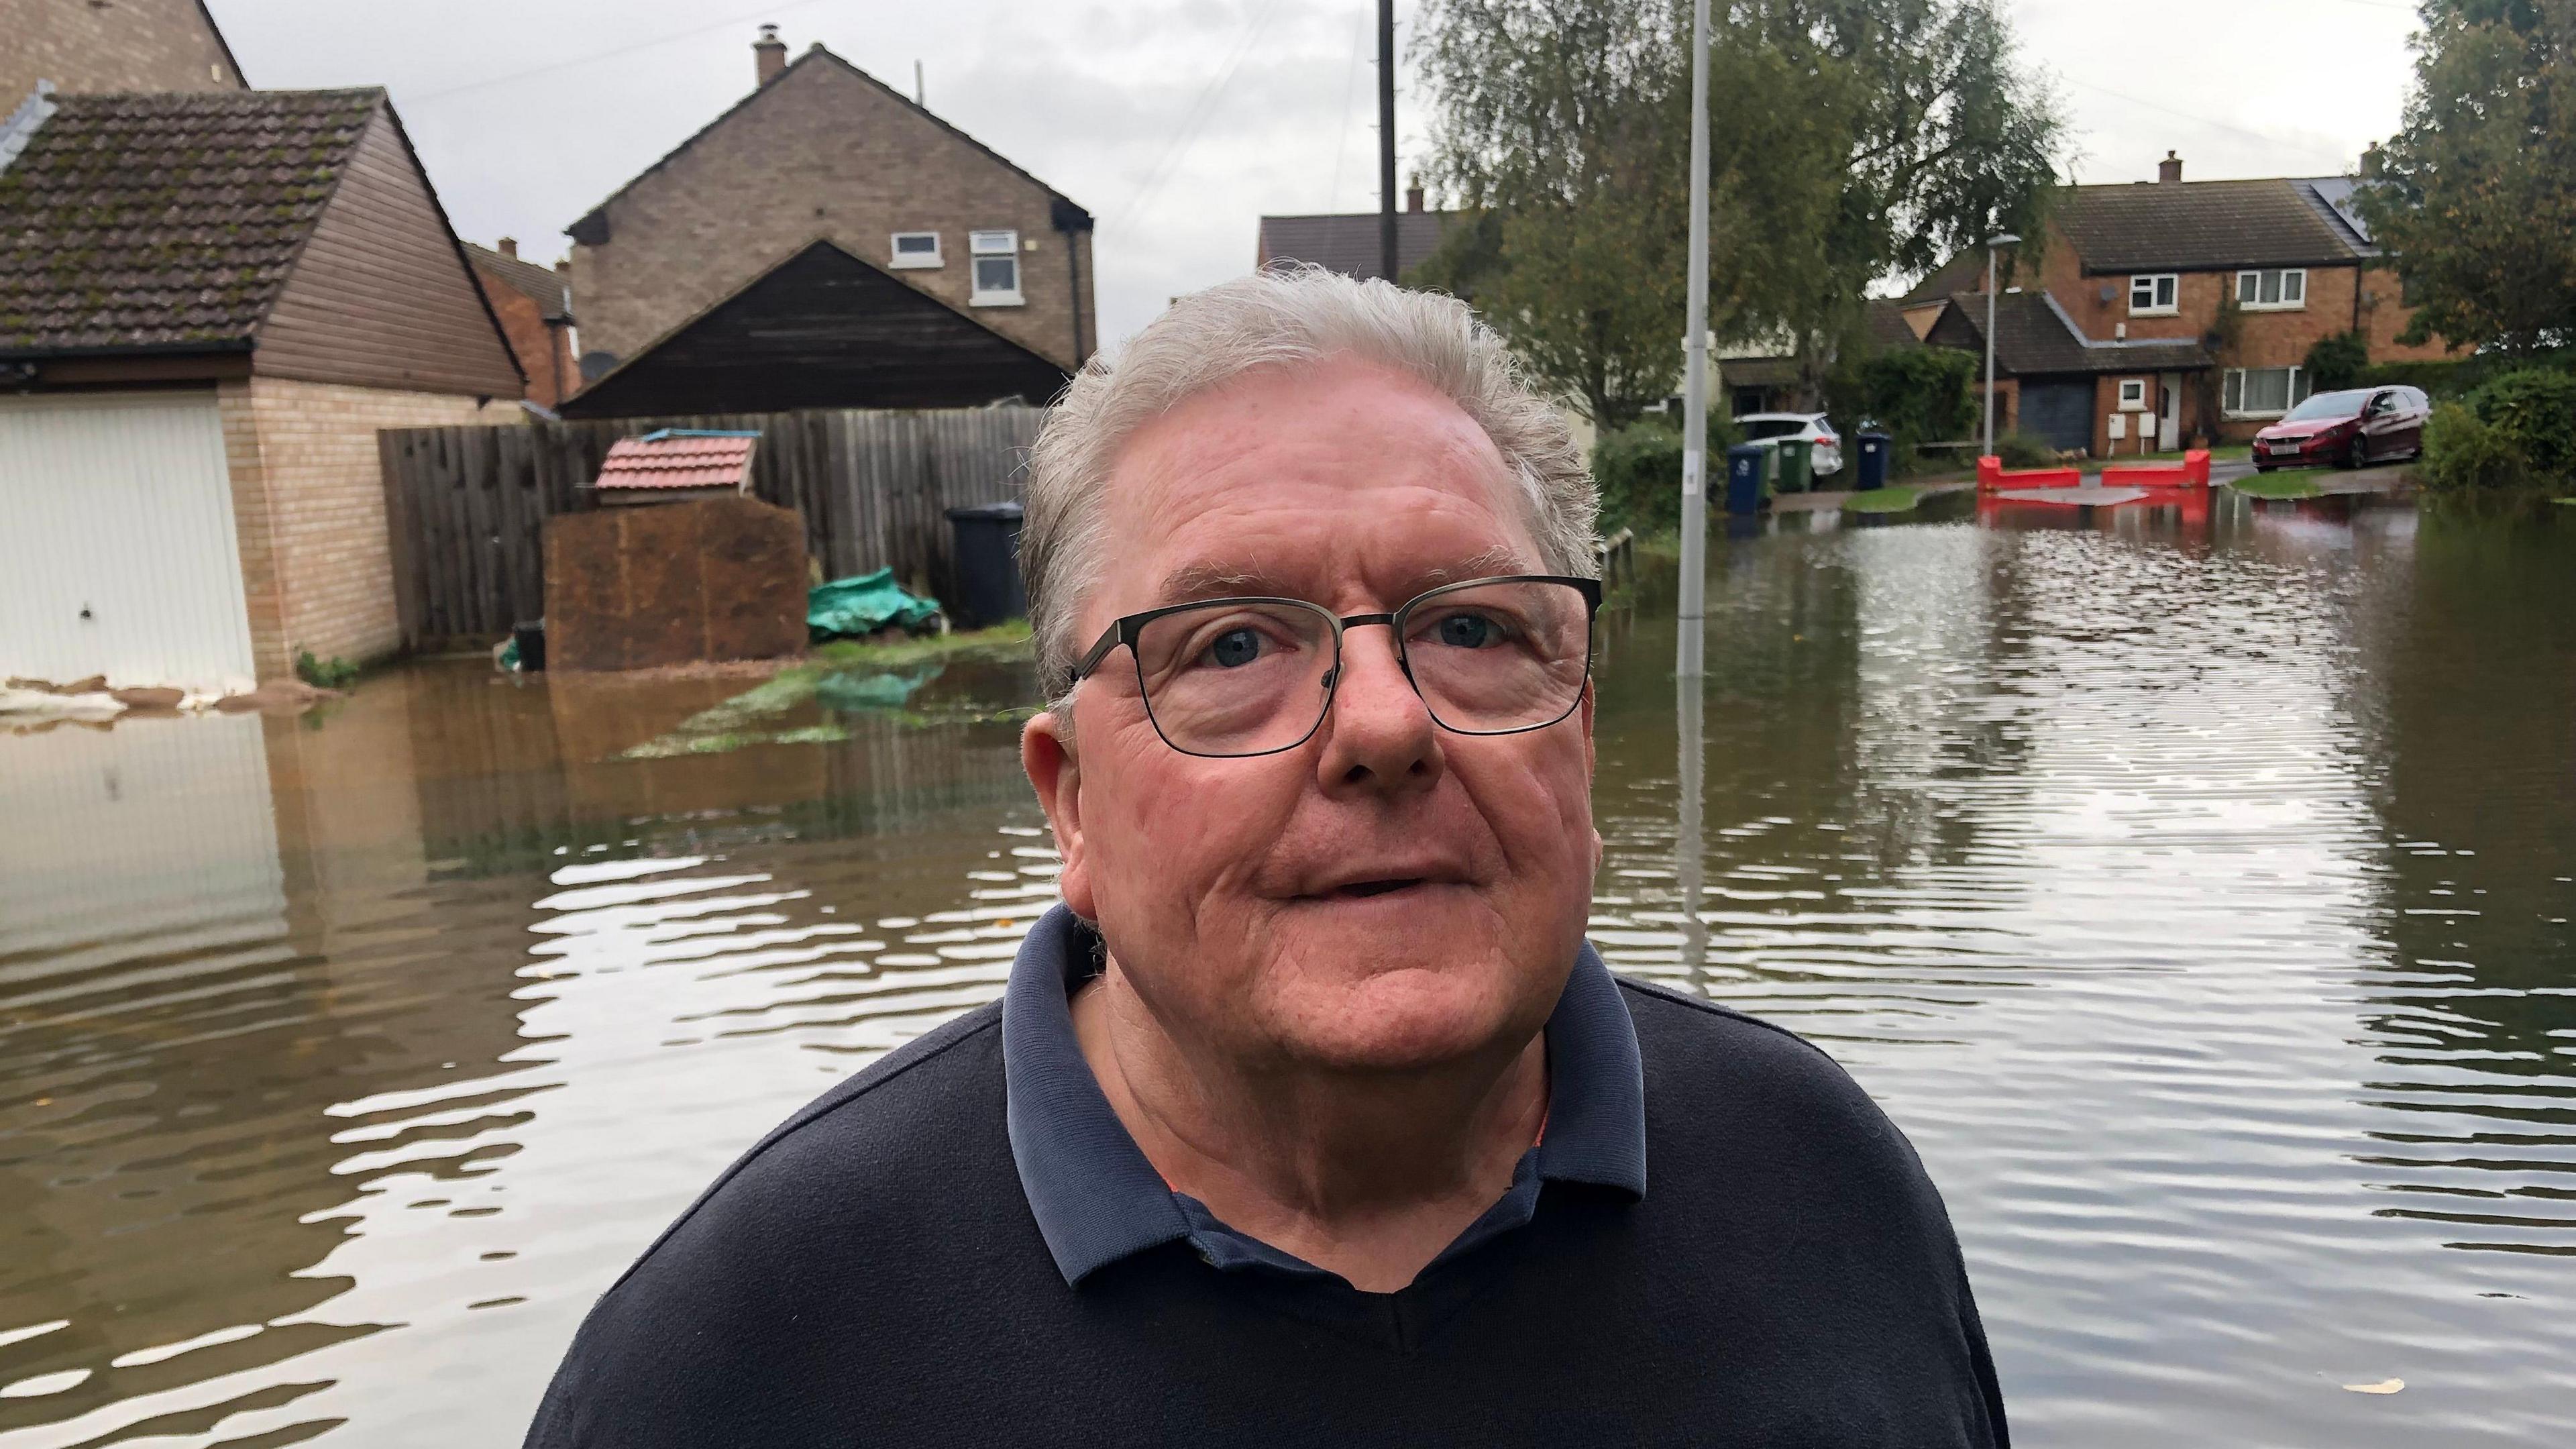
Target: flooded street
{"x": 2194, "y": 891}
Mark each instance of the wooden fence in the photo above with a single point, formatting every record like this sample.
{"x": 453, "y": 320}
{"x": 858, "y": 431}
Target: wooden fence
{"x": 466, "y": 506}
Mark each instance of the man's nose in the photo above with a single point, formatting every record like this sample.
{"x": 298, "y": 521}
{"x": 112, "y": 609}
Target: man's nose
{"x": 1379, "y": 735}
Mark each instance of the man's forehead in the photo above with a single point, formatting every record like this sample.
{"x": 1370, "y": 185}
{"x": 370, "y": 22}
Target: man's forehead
{"x": 1209, "y": 578}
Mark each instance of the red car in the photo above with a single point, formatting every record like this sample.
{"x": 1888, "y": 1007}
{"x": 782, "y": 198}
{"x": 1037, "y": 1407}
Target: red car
{"x": 2348, "y": 429}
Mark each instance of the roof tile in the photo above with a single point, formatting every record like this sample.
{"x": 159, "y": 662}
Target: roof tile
{"x": 165, "y": 220}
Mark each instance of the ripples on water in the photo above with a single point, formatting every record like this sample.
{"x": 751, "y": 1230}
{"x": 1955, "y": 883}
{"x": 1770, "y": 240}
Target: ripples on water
{"x": 2195, "y": 894}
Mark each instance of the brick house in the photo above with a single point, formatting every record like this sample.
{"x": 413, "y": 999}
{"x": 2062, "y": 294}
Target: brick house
{"x": 822, "y": 152}
{"x": 131, "y": 45}
{"x": 2169, "y": 310}
{"x": 209, "y": 303}
{"x": 534, "y": 304}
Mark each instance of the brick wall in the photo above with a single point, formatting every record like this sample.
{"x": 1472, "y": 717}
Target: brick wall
{"x": 822, "y": 152}
{"x": 544, "y": 353}
{"x": 309, "y": 511}
{"x": 132, "y": 45}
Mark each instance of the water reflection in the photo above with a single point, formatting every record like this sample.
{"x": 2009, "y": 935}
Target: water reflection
{"x": 2193, "y": 887}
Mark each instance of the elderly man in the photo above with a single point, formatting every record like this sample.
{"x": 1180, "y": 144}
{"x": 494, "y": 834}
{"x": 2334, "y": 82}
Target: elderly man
{"x": 1308, "y": 1117}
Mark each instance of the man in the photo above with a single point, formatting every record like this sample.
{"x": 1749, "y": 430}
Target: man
{"x": 1308, "y": 1117}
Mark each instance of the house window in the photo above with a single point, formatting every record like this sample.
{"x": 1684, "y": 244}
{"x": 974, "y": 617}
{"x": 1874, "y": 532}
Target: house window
{"x": 2283, "y": 290}
{"x": 2154, "y": 296}
{"x": 916, "y": 249}
{"x": 2262, "y": 392}
{"x": 997, "y": 268}
{"x": 2133, "y": 394}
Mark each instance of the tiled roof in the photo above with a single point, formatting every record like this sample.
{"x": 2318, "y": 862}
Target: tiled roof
{"x": 549, "y": 289}
{"x": 165, "y": 221}
{"x": 677, "y": 460}
{"x": 2033, "y": 337}
{"x": 1347, "y": 242}
{"x": 2181, "y": 226}
{"x": 1887, "y": 324}
{"x": 1955, "y": 275}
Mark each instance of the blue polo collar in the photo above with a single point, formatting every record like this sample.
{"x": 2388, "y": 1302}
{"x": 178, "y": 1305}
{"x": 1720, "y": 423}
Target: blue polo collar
{"x": 1097, "y": 1199}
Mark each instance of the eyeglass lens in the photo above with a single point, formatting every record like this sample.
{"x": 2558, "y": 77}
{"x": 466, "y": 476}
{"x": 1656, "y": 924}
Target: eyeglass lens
{"x": 1248, "y": 678}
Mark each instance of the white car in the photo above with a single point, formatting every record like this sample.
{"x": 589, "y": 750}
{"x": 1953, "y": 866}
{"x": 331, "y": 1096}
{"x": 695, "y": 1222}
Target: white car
{"x": 1770, "y": 428}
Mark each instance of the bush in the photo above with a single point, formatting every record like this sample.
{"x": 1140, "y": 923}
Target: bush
{"x": 2026, "y": 450}
{"x": 2336, "y": 362}
{"x": 1639, "y": 471}
{"x": 1915, "y": 395}
{"x": 2462, "y": 453}
{"x": 332, "y": 673}
{"x": 2535, "y": 410}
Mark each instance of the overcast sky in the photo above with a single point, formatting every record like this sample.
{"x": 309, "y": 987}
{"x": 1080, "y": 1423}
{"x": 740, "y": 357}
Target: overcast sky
{"x": 1180, "y": 122}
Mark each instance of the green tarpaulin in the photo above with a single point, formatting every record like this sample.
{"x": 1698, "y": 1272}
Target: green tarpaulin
{"x": 857, "y": 607}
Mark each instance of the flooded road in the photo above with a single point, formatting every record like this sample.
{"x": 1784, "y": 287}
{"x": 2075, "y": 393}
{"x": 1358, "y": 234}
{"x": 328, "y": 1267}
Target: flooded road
{"x": 2195, "y": 892}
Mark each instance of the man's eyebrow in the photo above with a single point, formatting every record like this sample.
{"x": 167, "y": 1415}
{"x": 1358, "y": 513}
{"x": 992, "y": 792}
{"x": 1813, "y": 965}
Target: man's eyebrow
{"x": 1192, "y": 582}
{"x": 1208, "y": 581}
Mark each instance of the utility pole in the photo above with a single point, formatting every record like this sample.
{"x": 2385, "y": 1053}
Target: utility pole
{"x": 1691, "y": 660}
{"x": 1386, "y": 141}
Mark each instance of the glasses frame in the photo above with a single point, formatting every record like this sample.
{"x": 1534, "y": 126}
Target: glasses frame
{"x": 1126, "y": 631}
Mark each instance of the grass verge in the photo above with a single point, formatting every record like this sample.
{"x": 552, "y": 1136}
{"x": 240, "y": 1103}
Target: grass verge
{"x": 1898, "y": 498}
{"x": 1010, "y": 637}
{"x": 2299, "y": 484}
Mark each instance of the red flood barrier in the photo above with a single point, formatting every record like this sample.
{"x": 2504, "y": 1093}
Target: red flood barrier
{"x": 2191, "y": 472}
{"x": 1992, "y": 475}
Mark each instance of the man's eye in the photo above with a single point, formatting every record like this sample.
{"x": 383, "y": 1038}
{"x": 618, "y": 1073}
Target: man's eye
{"x": 1234, "y": 648}
{"x": 1468, "y": 631}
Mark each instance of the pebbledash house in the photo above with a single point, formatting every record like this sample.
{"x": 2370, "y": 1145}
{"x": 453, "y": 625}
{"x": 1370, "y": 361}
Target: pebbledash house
{"x": 2156, "y": 314}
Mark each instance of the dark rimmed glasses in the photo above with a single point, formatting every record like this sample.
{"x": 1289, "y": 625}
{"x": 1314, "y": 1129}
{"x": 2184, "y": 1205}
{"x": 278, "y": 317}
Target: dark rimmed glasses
{"x": 1226, "y": 678}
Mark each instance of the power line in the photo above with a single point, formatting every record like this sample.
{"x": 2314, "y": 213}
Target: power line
{"x": 748, "y": 17}
{"x": 2247, "y": 132}
{"x": 1197, "y": 116}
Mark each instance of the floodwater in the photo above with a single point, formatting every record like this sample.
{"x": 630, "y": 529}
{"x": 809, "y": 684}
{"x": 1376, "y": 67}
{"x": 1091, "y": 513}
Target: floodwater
{"x": 2194, "y": 890}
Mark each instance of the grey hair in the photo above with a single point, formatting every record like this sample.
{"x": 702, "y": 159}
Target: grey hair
{"x": 1283, "y": 317}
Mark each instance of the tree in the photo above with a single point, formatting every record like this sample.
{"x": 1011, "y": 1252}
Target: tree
{"x": 2476, "y": 196}
{"x": 1849, "y": 139}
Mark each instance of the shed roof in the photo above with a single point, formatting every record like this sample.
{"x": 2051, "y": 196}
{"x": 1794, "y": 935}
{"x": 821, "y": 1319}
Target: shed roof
{"x": 674, "y": 458}
{"x": 1347, "y": 242}
{"x": 2034, "y": 336}
{"x": 166, "y": 222}
{"x": 549, "y": 289}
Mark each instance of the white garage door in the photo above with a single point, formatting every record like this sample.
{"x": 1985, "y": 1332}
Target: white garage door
{"x": 116, "y": 542}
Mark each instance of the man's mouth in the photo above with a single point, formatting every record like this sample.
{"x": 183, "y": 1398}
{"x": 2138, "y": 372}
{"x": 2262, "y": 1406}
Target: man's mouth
{"x": 1362, "y": 889}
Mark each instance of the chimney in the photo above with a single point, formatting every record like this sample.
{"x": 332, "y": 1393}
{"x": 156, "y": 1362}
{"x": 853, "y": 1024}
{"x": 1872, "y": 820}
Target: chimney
{"x": 1413, "y": 195}
{"x": 509, "y": 246}
{"x": 2373, "y": 161}
{"x": 768, "y": 55}
{"x": 2170, "y": 168}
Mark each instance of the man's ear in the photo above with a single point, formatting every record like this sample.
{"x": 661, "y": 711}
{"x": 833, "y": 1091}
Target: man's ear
{"x": 1046, "y": 753}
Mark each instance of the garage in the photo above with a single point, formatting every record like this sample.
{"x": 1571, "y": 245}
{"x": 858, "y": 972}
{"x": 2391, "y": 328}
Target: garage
{"x": 2059, "y": 410}
{"x": 118, "y": 556}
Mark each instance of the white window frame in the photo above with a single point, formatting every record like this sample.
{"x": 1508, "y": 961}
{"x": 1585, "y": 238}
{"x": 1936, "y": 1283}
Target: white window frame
{"x": 899, "y": 260}
{"x": 992, "y": 246}
{"x": 2133, "y": 394}
{"x": 2286, "y": 280}
{"x": 2167, "y": 285}
{"x": 2232, "y": 392}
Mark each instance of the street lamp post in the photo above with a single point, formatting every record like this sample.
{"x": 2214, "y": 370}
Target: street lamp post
{"x": 1690, "y": 649}
{"x": 1994, "y": 244}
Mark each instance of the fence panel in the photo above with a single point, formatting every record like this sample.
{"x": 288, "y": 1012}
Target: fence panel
{"x": 467, "y": 505}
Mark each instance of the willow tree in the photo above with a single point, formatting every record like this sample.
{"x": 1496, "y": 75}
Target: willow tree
{"x": 1850, "y": 140}
{"x": 2477, "y": 195}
